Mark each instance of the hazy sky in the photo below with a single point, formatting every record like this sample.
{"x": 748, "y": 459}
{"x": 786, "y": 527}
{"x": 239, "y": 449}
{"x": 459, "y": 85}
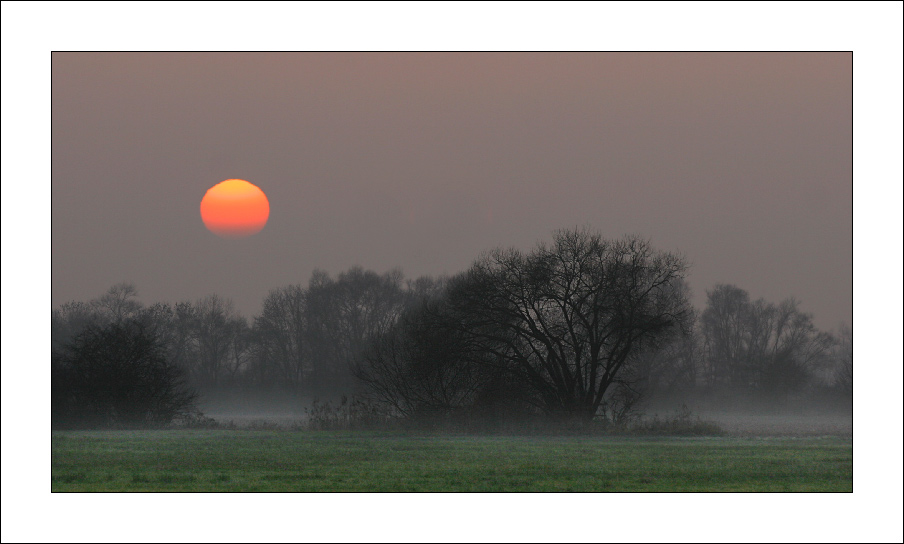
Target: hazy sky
{"x": 741, "y": 161}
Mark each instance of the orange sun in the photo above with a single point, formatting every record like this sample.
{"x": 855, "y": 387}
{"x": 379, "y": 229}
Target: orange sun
{"x": 235, "y": 209}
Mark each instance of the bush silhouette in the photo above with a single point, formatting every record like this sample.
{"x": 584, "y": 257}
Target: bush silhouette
{"x": 117, "y": 376}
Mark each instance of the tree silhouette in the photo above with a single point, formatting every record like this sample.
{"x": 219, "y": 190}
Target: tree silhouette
{"x": 280, "y": 337}
{"x": 117, "y": 376}
{"x": 560, "y": 325}
{"x": 756, "y": 345}
{"x": 343, "y": 314}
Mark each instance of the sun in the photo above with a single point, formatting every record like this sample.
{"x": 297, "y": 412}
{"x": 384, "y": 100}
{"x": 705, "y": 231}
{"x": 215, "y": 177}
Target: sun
{"x": 235, "y": 209}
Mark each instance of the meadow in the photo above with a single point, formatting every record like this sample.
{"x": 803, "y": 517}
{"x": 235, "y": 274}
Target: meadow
{"x": 347, "y": 461}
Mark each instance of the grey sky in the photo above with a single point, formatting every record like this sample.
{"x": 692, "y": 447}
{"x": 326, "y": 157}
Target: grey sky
{"x": 742, "y": 161}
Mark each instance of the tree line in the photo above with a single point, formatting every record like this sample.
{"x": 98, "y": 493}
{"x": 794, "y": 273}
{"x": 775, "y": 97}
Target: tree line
{"x": 582, "y": 328}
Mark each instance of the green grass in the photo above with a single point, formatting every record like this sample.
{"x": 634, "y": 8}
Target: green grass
{"x": 229, "y": 460}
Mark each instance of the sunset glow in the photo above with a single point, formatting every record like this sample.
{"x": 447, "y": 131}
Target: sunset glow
{"x": 235, "y": 209}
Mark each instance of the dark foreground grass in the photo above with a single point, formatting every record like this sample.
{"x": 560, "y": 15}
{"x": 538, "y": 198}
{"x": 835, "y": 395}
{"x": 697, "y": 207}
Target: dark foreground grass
{"x": 197, "y": 460}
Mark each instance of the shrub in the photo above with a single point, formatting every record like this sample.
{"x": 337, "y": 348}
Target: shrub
{"x": 348, "y": 414}
{"x": 117, "y": 376}
{"x": 683, "y": 422}
{"x": 198, "y": 421}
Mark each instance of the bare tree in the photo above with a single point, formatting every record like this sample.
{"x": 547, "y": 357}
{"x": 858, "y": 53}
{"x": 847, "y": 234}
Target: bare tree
{"x": 760, "y": 346}
{"x": 176, "y": 325}
{"x": 182, "y": 343}
{"x": 115, "y": 376}
{"x": 69, "y": 320}
{"x": 566, "y": 319}
{"x": 280, "y": 336}
{"x": 724, "y": 323}
{"x": 343, "y": 314}
{"x": 667, "y": 371}
{"x": 793, "y": 349}
{"x": 843, "y": 355}
{"x": 419, "y": 367}
{"x": 426, "y": 287}
{"x": 118, "y": 303}
{"x": 216, "y": 326}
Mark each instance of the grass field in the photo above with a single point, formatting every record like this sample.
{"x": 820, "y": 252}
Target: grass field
{"x": 229, "y": 460}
